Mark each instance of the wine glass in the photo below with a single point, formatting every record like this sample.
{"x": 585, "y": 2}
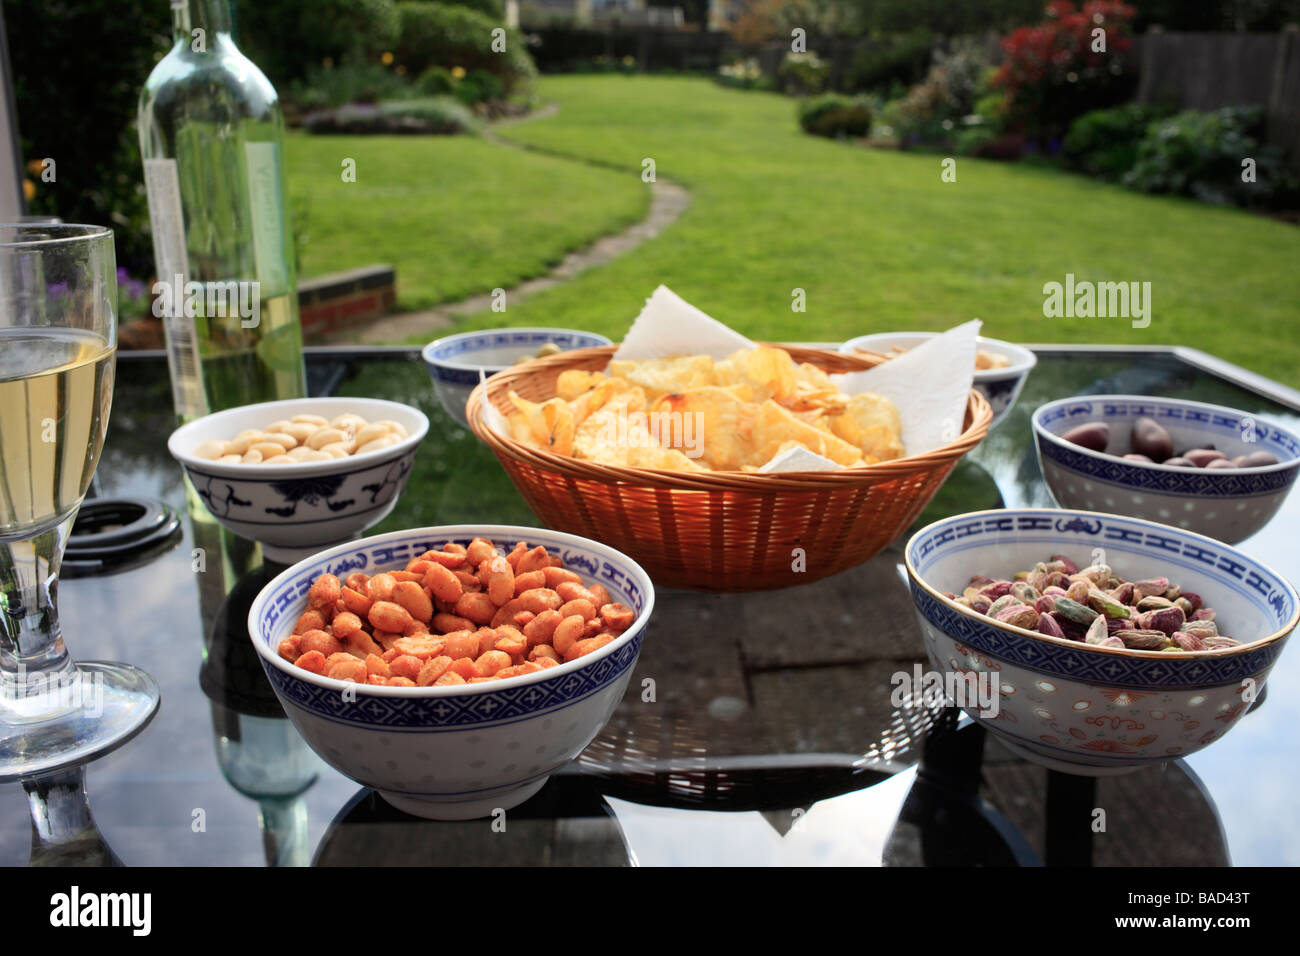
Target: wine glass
{"x": 58, "y": 343}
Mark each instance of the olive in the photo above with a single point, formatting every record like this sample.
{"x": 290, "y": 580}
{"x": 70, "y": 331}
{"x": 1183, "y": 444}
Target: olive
{"x": 1149, "y": 438}
{"x": 1093, "y": 436}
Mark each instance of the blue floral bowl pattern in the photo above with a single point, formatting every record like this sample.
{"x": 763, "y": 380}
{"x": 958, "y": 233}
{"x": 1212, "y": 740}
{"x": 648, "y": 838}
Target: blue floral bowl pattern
{"x": 1076, "y": 705}
{"x": 294, "y": 510}
{"x": 1228, "y": 504}
{"x": 462, "y": 751}
{"x": 458, "y": 362}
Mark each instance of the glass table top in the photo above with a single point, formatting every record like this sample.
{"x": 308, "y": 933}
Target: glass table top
{"x": 755, "y": 749}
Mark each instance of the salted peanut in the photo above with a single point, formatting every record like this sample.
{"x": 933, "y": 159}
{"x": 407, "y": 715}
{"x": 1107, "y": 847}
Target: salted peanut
{"x": 360, "y": 645}
{"x": 423, "y": 646}
{"x": 545, "y": 662}
{"x": 268, "y": 449}
{"x": 491, "y": 662}
{"x": 557, "y": 561}
{"x": 578, "y": 606}
{"x": 336, "y": 450}
{"x": 599, "y": 594}
{"x": 451, "y": 623}
{"x": 511, "y": 640}
{"x": 310, "y": 620}
{"x": 356, "y": 602}
{"x": 378, "y": 444}
{"x": 240, "y": 444}
{"x": 521, "y": 619}
{"x": 618, "y": 617}
{"x": 279, "y": 460}
{"x": 534, "y": 560}
{"x": 252, "y": 458}
{"x": 540, "y": 629}
{"x": 451, "y": 547}
{"x": 277, "y": 425}
{"x": 316, "y": 420}
{"x": 443, "y": 584}
{"x": 569, "y": 591}
{"x": 412, "y": 597}
{"x": 415, "y": 629}
{"x": 347, "y": 419}
{"x": 567, "y": 633}
{"x": 376, "y": 679}
{"x": 281, "y": 438}
{"x": 325, "y": 436}
{"x": 376, "y": 666}
{"x": 433, "y": 668}
{"x": 479, "y": 550}
{"x": 448, "y": 678}
{"x": 526, "y": 582}
{"x": 419, "y": 568}
{"x": 449, "y": 561}
{"x": 372, "y": 432}
{"x": 390, "y": 654}
{"x": 301, "y": 431}
{"x": 404, "y": 665}
{"x": 469, "y": 582}
{"x": 324, "y": 591}
{"x": 289, "y": 649}
{"x": 396, "y": 428}
{"x": 313, "y": 661}
{"x": 555, "y": 576}
{"x": 212, "y": 449}
{"x": 460, "y": 644}
{"x": 465, "y": 667}
{"x": 544, "y": 652}
{"x": 586, "y": 646}
{"x": 356, "y": 581}
{"x": 498, "y": 579}
{"x": 400, "y": 682}
{"x": 380, "y": 587}
{"x": 387, "y": 616}
{"x": 353, "y": 670}
{"x": 320, "y": 641}
{"x": 476, "y": 607}
{"x": 303, "y": 453}
{"x": 231, "y": 459}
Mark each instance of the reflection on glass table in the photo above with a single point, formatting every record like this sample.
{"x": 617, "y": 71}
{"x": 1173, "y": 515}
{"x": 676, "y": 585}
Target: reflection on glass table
{"x": 757, "y": 728}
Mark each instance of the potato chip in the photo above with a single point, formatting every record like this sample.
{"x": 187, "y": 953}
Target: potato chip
{"x": 660, "y": 376}
{"x": 769, "y": 372}
{"x": 719, "y": 418}
{"x": 776, "y": 425}
{"x": 871, "y": 422}
{"x": 574, "y": 382}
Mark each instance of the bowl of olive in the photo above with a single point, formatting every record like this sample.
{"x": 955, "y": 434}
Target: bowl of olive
{"x": 1214, "y": 470}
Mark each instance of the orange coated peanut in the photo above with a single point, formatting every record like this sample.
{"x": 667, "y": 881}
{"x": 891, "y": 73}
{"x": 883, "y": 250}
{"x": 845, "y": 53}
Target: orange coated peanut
{"x": 311, "y": 620}
{"x": 356, "y": 581}
{"x": 351, "y": 669}
{"x": 499, "y": 580}
{"x": 586, "y": 646}
{"x": 324, "y": 591}
{"x": 543, "y": 652}
{"x": 376, "y": 666}
{"x": 533, "y": 560}
{"x": 556, "y": 576}
{"x": 568, "y": 632}
{"x": 479, "y": 550}
{"x": 476, "y": 607}
{"x": 356, "y": 602}
{"x": 380, "y": 587}
{"x": 541, "y": 628}
{"x": 423, "y": 646}
{"x": 579, "y": 606}
{"x": 448, "y": 678}
{"x": 289, "y": 648}
{"x": 319, "y": 641}
{"x": 387, "y": 616}
{"x": 447, "y": 623}
{"x": 345, "y": 623}
{"x": 600, "y": 595}
{"x": 412, "y": 597}
{"x": 405, "y": 666}
{"x": 491, "y": 662}
{"x": 433, "y": 669}
{"x": 619, "y": 617}
{"x": 460, "y": 644}
{"x": 444, "y": 585}
{"x": 572, "y": 591}
{"x": 313, "y": 661}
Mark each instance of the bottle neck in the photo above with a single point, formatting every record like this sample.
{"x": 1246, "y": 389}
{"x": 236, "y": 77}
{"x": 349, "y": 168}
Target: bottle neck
{"x": 210, "y": 16}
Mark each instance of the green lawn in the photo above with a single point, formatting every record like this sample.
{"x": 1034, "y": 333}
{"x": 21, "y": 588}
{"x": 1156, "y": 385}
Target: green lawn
{"x": 455, "y": 214}
{"x": 879, "y": 242}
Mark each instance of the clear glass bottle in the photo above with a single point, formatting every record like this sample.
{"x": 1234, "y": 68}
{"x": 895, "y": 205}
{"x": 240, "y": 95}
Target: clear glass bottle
{"x": 212, "y": 139}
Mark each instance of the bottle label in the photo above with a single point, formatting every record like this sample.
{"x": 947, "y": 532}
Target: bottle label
{"x": 267, "y": 217}
{"x": 162, "y": 186}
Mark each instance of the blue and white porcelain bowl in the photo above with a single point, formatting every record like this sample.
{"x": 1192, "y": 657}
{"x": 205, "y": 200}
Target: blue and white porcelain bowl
{"x": 1228, "y": 504}
{"x": 458, "y": 362}
{"x": 459, "y": 752}
{"x": 1087, "y": 709}
{"x": 295, "y": 510}
{"x": 1001, "y": 386}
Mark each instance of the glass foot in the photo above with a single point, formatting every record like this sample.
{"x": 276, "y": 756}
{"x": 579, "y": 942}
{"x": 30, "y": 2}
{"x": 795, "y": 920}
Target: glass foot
{"x": 102, "y": 708}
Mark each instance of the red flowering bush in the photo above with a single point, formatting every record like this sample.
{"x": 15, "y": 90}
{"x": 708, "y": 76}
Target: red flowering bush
{"x": 1062, "y": 68}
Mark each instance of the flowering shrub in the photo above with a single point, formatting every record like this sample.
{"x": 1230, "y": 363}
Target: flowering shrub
{"x": 935, "y": 110}
{"x": 743, "y": 74}
{"x": 803, "y": 73}
{"x": 1059, "y": 69}
{"x": 836, "y": 116}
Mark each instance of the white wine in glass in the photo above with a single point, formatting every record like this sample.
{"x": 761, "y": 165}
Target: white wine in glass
{"x": 58, "y": 334}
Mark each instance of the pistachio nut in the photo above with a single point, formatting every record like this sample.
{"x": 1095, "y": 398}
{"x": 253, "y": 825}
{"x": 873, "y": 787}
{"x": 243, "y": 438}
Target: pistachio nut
{"x": 1074, "y": 611}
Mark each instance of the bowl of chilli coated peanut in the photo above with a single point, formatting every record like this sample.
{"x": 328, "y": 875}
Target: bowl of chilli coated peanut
{"x": 453, "y": 669}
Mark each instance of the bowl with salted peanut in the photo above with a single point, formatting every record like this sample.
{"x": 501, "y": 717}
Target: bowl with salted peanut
{"x": 303, "y": 474}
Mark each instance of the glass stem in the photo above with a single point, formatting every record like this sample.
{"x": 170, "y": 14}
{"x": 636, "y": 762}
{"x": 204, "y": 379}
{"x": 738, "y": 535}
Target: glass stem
{"x": 32, "y": 652}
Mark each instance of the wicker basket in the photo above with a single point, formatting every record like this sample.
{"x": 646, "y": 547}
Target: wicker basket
{"x": 721, "y": 531}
